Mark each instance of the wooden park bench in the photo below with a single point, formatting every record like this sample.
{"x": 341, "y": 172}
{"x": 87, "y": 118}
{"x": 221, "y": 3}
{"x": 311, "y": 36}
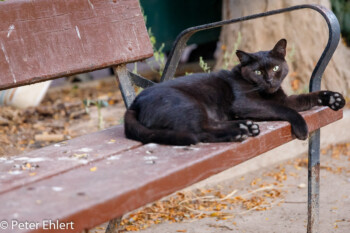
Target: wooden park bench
{"x": 47, "y": 39}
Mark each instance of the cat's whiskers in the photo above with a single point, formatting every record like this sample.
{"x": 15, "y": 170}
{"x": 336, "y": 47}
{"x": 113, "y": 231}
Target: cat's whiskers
{"x": 252, "y": 90}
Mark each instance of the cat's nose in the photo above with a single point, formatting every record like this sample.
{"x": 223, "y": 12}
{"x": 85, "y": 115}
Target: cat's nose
{"x": 269, "y": 80}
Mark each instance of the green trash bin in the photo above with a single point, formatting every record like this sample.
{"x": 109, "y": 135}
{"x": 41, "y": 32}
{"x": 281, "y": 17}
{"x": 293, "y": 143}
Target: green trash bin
{"x": 167, "y": 18}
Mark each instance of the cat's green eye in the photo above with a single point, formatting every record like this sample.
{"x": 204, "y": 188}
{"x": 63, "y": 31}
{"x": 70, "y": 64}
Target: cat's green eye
{"x": 258, "y": 72}
{"x": 275, "y": 68}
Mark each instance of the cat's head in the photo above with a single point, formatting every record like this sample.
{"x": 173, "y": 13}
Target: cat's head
{"x": 265, "y": 69}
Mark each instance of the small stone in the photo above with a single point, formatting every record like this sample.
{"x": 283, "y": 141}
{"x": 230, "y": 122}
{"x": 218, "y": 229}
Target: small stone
{"x": 150, "y": 162}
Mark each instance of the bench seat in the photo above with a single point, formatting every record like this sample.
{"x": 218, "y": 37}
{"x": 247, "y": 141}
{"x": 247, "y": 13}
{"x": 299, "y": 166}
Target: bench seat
{"x": 98, "y": 177}
{"x": 63, "y": 181}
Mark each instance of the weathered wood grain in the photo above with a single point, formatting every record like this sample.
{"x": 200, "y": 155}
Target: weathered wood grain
{"x": 41, "y": 40}
{"x": 99, "y": 191}
{"x": 24, "y": 169}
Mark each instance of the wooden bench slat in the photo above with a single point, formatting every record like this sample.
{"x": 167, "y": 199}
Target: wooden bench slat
{"x": 61, "y": 157}
{"x": 102, "y": 190}
{"x": 41, "y": 40}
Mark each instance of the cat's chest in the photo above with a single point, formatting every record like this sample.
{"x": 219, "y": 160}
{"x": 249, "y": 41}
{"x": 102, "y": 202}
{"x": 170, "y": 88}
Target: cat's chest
{"x": 243, "y": 98}
{"x": 249, "y": 102}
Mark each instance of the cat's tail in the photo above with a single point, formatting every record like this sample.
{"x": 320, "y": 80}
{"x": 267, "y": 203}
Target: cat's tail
{"x": 135, "y": 130}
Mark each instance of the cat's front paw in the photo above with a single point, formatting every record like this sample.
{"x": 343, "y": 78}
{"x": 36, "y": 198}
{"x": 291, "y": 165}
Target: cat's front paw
{"x": 251, "y": 127}
{"x": 334, "y": 100}
{"x": 241, "y": 136}
{"x": 299, "y": 128}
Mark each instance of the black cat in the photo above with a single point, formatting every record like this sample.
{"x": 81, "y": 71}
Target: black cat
{"x": 205, "y": 107}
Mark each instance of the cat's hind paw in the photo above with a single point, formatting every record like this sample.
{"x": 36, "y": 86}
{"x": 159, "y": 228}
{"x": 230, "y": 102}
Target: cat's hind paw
{"x": 334, "y": 100}
{"x": 251, "y": 127}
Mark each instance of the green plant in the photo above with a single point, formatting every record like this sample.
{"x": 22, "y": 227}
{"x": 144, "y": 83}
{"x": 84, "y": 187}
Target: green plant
{"x": 230, "y": 57}
{"x": 158, "y": 54}
{"x": 139, "y": 90}
{"x": 204, "y": 65}
{"x": 291, "y": 54}
{"x": 135, "y": 68}
{"x": 99, "y": 104}
{"x": 158, "y": 64}
{"x": 303, "y": 90}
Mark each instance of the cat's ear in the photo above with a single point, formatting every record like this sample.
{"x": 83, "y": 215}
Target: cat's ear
{"x": 280, "y": 48}
{"x": 244, "y": 57}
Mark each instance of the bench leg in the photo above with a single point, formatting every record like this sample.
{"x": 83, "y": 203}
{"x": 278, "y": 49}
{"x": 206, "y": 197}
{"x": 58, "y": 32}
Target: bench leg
{"x": 113, "y": 225}
{"x": 125, "y": 85}
{"x": 313, "y": 182}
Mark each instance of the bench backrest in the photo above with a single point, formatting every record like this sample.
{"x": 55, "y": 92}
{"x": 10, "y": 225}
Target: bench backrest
{"x": 47, "y": 39}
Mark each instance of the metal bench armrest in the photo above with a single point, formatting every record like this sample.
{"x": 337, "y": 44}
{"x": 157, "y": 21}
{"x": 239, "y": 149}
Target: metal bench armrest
{"x": 315, "y": 81}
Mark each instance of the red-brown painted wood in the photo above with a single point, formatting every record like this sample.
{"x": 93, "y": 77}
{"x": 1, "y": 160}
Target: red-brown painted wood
{"x": 41, "y": 39}
{"x": 133, "y": 178}
{"x": 61, "y": 157}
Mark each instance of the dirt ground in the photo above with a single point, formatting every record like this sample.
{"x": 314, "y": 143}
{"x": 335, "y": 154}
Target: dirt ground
{"x": 272, "y": 200}
{"x": 62, "y": 115}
